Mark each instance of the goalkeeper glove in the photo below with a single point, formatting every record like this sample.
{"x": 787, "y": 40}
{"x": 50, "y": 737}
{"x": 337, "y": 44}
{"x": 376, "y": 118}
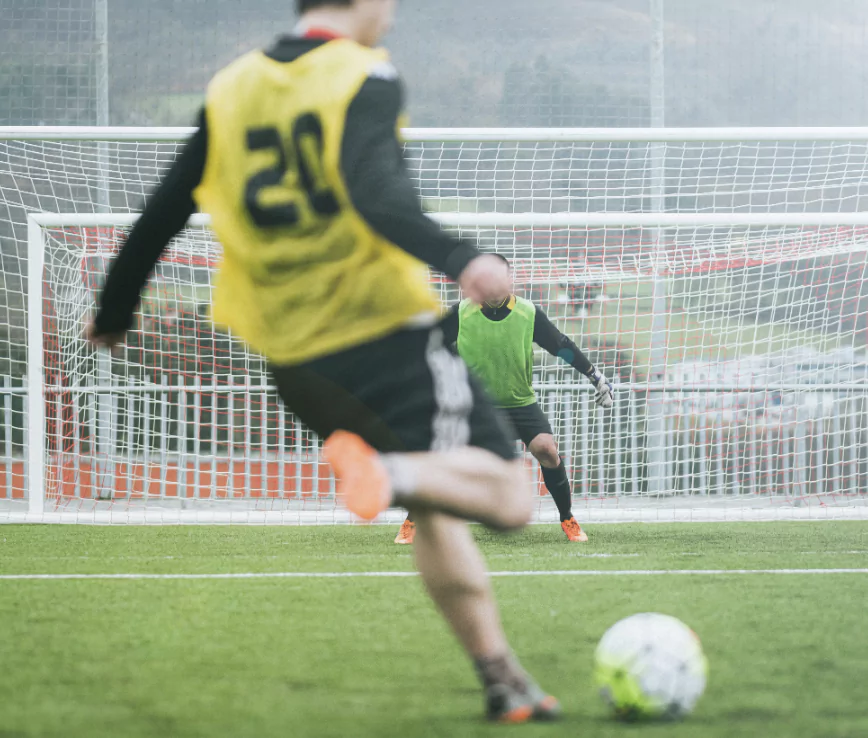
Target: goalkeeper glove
{"x": 604, "y": 394}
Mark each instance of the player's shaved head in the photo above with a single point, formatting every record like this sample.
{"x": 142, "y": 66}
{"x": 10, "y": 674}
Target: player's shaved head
{"x": 364, "y": 21}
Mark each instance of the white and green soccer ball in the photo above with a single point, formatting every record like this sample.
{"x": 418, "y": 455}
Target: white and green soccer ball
{"x": 650, "y": 666}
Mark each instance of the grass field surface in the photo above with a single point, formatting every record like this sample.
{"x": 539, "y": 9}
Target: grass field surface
{"x": 368, "y": 656}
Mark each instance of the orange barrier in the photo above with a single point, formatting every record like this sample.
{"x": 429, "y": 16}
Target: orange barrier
{"x": 12, "y": 481}
{"x": 222, "y": 480}
{"x": 218, "y": 480}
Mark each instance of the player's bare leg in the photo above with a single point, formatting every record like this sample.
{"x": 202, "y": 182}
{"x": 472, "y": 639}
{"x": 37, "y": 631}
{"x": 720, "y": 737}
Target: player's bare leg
{"x": 407, "y": 533}
{"x": 545, "y": 450}
{"x": 454, "y": 573}
{"x": 467, "y": 483}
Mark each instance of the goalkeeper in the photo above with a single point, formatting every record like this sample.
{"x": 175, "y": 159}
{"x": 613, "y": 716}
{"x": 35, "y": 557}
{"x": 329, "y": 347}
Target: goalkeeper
{"x": 496, "y": 340}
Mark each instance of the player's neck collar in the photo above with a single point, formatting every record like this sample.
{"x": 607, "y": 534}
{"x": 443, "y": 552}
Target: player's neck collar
{"x": 508, "y": 303}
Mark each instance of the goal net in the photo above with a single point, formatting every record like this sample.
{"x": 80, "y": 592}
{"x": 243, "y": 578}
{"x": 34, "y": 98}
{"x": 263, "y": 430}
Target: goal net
{"x": 718, "y": 282}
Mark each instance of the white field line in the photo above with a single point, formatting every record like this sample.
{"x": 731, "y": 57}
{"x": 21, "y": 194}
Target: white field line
{"x": 407, "y": 574}
{"x": 489, "y": 556}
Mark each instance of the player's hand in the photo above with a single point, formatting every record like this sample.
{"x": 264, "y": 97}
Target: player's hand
{"x": 103, "y": 340}
{"x": 604, "y": 394}
{"x": 486, "y": 279}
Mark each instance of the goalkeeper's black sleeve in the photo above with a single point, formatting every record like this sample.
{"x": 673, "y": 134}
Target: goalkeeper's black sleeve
{"x": 165, "y": 215}
{"x": 549, "y": 338}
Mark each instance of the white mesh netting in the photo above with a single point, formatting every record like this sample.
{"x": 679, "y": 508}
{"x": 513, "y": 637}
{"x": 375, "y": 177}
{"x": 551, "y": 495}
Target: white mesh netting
{"x": 738, "y": 345}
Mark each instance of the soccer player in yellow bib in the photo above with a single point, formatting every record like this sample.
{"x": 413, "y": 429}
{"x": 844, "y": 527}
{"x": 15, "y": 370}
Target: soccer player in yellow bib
{"x": 297, "y": 160}
{"x": 496, "y": 341}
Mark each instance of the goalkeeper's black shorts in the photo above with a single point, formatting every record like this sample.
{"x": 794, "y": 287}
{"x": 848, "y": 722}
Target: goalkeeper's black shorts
{"x": 403, "y": 393}
{"x": 528, "y": 422}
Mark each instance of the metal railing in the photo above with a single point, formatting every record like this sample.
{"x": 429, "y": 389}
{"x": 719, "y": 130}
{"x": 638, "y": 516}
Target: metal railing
{"x": 233, "y": 440}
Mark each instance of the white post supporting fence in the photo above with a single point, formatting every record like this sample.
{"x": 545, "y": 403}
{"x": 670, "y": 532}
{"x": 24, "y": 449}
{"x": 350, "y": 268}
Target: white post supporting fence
{"x": 657, "y": 91}
{"x": 656, "y": 404}
{"x": 35, "y": 372}
{"x": 103, "y": 466}
{"x": 103, "y": 115}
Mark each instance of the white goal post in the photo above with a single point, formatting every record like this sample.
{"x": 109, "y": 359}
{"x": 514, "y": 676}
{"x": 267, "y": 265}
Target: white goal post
{"x": 736, "y": 329}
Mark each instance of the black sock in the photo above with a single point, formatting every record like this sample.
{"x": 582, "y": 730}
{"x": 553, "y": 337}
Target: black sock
{"x": 558, "y": 486}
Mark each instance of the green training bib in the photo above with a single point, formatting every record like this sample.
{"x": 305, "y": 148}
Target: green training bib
{"x": 500, "y": 352}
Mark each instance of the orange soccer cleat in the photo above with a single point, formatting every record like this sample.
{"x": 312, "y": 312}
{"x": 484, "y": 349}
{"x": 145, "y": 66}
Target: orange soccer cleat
{"x": 574, "y": 531}
{"x": 407, "y": 533}
{"x": 505, "y": 704}
{"x": 363, "y": 483}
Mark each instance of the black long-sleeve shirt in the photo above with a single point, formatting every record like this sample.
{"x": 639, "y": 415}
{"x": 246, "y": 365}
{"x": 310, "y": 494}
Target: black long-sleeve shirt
{"x": 545, "y": 335}
{"x": 374, "y": 170}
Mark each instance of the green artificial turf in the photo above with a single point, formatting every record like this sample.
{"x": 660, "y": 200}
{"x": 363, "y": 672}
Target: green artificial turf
{"x": 369, "y": 657}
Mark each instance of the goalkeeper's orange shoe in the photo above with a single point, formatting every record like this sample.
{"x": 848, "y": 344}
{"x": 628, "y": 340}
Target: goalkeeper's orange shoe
{"x": 363, "y": 483}
{"x": 574, "y": 531}
{"x": 407, "y": 534}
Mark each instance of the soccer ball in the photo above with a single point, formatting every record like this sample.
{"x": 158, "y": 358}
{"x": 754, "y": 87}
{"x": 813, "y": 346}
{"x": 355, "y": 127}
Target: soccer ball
{"x": 650, "y": 666}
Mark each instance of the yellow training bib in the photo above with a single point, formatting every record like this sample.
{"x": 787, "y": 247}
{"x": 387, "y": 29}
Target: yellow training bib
{"x": 303, "y": 275}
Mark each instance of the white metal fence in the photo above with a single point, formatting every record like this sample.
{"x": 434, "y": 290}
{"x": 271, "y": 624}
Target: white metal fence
{"x": 212, "y": 442}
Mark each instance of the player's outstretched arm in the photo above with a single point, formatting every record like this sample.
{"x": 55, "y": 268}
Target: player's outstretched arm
{"x": 547, "y": 336}
{"x": 166, "y": 213}
{"x": 382, "y": 192}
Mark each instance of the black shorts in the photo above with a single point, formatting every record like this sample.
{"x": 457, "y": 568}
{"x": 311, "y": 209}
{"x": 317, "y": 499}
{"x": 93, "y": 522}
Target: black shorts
{"x": 405, "y": 392}
{"x": 528, "y": 422}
